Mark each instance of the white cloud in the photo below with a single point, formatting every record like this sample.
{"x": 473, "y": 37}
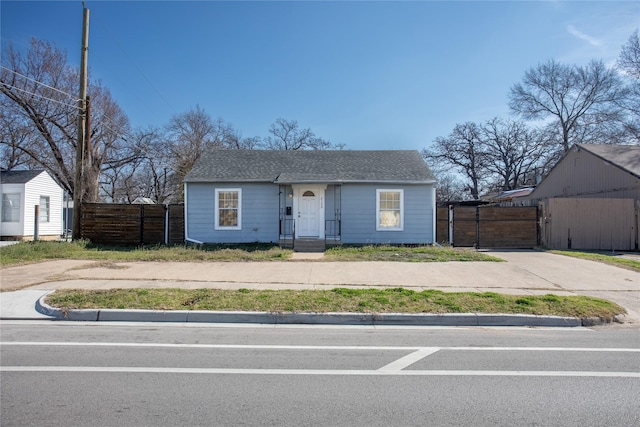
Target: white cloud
{"x": 582, "y": 36}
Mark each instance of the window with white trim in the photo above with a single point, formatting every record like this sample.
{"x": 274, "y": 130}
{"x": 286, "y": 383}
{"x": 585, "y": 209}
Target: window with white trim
{"x": 11, "y": 207}
{"x": 389, "y": 210}
{"x": 44, "y": 208}
{"x": 228, "y": 209}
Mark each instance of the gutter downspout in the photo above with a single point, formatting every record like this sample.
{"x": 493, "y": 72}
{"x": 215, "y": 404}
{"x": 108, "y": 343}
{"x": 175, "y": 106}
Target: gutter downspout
{"x": 434, "y": 211}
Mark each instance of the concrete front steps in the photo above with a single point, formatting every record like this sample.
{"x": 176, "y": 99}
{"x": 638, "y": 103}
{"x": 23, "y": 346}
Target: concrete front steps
{"x": 309, "y": 245}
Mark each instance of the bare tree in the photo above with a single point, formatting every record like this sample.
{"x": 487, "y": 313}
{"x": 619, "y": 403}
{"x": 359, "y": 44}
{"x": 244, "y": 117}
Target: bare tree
{"x": 449, "y": 188}
{"x": 463, "y": 150}
{"x": 192, "y": 133}
{"x": 629, "y": 59}
{"x": 148, "y": 174}
{"x": 578, "y": 99}
{"x": 512, "y": 151}
{"x": 14, "y": 134}
{"x": 38, "y": 90}
{"x": 287, "y": 135}
{"x": 629, "y": 63}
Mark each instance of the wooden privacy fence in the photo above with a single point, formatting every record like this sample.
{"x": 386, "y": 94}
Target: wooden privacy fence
{"x": 488, "y": 226}
{"x": 124, "y": 224}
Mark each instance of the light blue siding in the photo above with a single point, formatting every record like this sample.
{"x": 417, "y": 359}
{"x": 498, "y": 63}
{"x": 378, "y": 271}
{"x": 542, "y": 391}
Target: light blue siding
{"x": 353, "y": 204}
{"x": 259, "y": 213}
{"x": 359, "y": 215}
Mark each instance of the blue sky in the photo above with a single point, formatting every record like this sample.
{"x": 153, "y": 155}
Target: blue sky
{"x": 371, "y": 75}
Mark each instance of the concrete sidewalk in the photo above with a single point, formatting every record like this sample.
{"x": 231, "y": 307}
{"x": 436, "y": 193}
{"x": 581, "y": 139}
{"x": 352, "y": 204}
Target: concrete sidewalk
{"x": 524, "y": 272}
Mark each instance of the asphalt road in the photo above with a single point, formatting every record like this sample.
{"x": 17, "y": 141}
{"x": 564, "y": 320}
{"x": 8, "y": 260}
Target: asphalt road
{"x": 78, "y": 374}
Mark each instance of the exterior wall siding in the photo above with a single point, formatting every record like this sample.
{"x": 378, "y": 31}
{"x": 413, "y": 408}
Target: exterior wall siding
{"x": 590, "y": 223}
{"x": 359, "y": 215}
{"x": 259, "y": 213}
{"x": 581, "y": 174}
{"x": 41, "y": 185}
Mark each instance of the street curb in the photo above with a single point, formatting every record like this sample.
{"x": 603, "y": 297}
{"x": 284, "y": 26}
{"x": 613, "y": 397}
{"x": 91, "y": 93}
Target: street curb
{"x": 289, "y": 318}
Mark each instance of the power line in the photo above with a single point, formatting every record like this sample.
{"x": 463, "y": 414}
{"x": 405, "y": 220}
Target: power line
{"x": 40, "y": 96}
{"x": 37, "y": 82}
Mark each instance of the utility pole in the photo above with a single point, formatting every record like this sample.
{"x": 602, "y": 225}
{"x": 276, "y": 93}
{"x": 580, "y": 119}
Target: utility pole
{"x": 77, "y": 186}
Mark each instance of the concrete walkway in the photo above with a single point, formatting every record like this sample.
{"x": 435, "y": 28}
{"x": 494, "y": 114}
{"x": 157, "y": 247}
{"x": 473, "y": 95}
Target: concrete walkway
{"x": 524, "y": 272}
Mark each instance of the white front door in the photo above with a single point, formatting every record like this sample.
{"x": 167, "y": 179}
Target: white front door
{"x": 308, "y": 207}
{"x": 308, "y": 215}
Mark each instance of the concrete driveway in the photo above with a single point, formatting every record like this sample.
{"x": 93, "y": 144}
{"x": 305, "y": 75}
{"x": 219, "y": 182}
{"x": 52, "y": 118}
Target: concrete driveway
{"x": 524, "y": 272}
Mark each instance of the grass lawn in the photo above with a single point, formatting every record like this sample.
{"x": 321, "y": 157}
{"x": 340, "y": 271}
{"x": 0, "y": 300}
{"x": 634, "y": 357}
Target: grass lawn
{"x": 389, "y": 300}
{"x": 405, "y": 254}
{"x": 611, "y": 258}
{"x": 28, "y": 252}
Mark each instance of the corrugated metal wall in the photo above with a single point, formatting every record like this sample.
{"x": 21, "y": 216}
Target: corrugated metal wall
{"x": 590, "y": 223}
{"x": 581, "y": 174}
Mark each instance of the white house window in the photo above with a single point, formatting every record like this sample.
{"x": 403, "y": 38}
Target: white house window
{"x": 44, "y": 208}
{"x": 390, "y": 210}
{"x": 11, "y": 207}
{"x": 228, "y": 209}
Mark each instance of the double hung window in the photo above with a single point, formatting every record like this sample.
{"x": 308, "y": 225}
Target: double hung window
{"x": 11, "y": 207}
{"x": 389, "y": 210}
{"x": 44, "y": 208}
{"x": 228, "y": 209}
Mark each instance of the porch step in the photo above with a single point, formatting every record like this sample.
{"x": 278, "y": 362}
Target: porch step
{"x": 309, "y": 245}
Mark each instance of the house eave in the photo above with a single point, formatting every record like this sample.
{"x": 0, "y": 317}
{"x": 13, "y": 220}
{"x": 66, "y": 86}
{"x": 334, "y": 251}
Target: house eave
{"x": 310, "y": 181}
{"x": 226, "y": 181}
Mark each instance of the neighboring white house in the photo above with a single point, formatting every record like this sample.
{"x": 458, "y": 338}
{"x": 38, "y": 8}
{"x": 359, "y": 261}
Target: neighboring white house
{"x": 21, "y": 192}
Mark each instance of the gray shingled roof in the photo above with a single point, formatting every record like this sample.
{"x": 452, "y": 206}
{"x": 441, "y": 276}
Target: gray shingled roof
{"x": 325, "y": 166}
{"x": 626, "y": 157}
{"x": 18, "y": 177}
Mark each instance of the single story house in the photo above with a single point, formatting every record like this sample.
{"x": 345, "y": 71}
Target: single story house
{"x": 591, "y": 199}
{"x": 310, "y": 197}
{"x": 22, "y": 191}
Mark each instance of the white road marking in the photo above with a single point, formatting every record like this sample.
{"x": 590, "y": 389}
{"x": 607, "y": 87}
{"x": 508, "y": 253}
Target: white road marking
{"x": 409, "y": 359}
{"x": 328, "y": 372}
{"x": 309, "y": 347}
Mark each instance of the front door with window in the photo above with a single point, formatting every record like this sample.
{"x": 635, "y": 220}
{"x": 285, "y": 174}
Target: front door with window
{"x": 308, "y": 205}
{"x": 308, "y": 215}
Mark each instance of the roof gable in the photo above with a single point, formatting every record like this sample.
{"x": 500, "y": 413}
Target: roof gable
{"x": 18, "y": 177}
{"x": 282, "y": 166}
{"x": 626, "y": 157}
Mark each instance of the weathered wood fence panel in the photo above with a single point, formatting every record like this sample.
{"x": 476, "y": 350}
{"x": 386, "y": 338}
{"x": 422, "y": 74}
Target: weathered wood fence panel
{"x": 442, "y": 225}
{"x": 590, "y": 223}
{"x": 176, "y": 224}
{"x": 465, "y": 225}
{"x": 125, "y": 224}
{"x": 489, "y": 226}
{"x": 507, "y": 227}
{"x": 152, "y": 224}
